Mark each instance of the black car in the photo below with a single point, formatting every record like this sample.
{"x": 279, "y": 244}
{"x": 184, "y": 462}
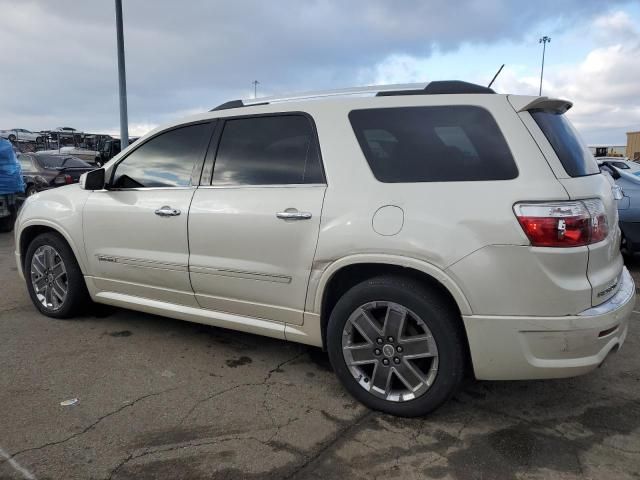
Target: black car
{"x": 45, "y": 170}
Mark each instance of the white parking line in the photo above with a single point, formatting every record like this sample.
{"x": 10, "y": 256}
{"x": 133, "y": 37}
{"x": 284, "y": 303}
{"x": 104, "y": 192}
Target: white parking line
{"x": 16, "y": 466}
{"x": 635, "y": 311}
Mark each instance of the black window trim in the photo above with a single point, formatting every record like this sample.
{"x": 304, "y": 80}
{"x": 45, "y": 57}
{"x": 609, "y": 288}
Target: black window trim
{"x": 373, "y": 175}
{"x": 197, "y": 167}
{"x": 206, "y": 180}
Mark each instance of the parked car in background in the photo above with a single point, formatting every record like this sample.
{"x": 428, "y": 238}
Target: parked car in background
{"x": 87, "y": 155}
{"x": 620, "y": 163}
{"x": 627, "y": 177}
{"x": 62, "y": 131}
{"x": 42, "y": 171}
{"x": 417, "y": 234}
{"x": 109, "y": 149}
{"x": 21, "y": 135}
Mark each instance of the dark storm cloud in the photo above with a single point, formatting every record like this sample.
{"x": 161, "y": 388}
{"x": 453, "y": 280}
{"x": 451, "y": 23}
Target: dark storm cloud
{"x": 58, "y": 57}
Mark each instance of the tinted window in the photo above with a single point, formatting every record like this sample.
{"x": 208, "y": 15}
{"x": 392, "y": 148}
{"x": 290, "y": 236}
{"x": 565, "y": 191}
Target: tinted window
{"x": 164, "y": 161}
{"x": 267, "y": 151}
{"x": 575, "y": 157}
{"x": 621, "y": 165}
{"x": 60, "y": 161}
{"x": 433, "y": 144}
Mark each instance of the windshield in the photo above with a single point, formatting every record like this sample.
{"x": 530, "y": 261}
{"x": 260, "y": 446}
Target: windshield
{"x": 62, "y": 162}
{"x": 575, "y": 157}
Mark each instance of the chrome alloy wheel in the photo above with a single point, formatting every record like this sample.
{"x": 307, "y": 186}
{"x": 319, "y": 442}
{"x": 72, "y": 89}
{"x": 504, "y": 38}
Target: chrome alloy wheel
{"x": 390, "y": 351}
{"x": 49, "y": 277}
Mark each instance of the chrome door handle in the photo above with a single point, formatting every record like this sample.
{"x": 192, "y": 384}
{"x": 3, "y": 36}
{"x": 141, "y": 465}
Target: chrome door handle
{"x": 167, "y": 211}
{"x": 292, "y": 214}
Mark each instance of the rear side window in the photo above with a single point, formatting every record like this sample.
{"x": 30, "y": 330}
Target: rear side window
{"x": 270, "y": 150}
{"x": 433, "y": 144}
{"x": 58, "y": 161}
{"x": 574, "y": 155}
{"x": 25, "y": 162}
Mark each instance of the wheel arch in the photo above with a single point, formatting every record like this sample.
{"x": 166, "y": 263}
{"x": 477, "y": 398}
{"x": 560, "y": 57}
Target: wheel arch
{"x": 31, "y": 230}
{"x": 342, "y": 274}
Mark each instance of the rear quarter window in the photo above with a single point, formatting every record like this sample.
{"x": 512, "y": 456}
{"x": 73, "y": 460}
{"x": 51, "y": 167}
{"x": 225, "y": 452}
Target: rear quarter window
{"x": 433, "y": 144}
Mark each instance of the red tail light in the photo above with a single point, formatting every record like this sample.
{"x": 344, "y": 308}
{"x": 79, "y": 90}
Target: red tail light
{"x": 563, "y": 224}
{"x": 63, "y": 179}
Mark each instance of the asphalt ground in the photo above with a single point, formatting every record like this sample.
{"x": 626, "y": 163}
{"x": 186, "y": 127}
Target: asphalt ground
{"x": 165, "y": 399}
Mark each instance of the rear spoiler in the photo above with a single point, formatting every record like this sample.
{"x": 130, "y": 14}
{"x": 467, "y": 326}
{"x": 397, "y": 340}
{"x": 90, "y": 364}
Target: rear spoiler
{"x": 524, "y": 104}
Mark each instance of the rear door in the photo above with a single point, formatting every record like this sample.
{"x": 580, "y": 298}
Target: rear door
{"x": 253, "y": 228}
{"x": 580, "y": 175}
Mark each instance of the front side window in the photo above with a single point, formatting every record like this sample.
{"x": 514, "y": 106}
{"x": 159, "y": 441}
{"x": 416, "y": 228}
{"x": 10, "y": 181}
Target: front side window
{"x": 269, "y": 150}
{"x": 433, "y": 144}
{"x": 574, "y": 155}
{"x": 164, "y": 161}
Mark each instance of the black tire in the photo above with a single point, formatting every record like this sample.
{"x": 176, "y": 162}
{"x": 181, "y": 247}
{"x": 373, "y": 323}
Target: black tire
{"x": 12, "y": 138}
{"x": 439, "y": 316}
{"x": 31, "y": 190}
{"x": 77, "y": 297}
{"x": 38, "y": 139}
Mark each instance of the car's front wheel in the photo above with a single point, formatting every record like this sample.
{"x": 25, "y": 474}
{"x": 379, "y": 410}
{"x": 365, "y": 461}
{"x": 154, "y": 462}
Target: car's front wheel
{"x": 54, "y": 279}
{"x": 396, "y": 346}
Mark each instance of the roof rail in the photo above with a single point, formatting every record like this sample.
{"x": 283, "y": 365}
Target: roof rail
{"x": 431, "y": 88}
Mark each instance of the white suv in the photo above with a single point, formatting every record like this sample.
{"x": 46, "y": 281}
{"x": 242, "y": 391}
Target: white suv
{"x": 416, "y": 233}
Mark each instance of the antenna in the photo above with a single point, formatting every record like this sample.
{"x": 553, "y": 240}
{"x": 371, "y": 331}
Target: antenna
{"x": 495, "y": 76}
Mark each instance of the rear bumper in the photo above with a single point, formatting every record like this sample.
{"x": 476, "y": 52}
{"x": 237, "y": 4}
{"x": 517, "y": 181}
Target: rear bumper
{"x": 524, "y": 348}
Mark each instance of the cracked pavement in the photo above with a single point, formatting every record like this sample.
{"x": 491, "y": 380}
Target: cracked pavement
{"x": 165, "y": 399}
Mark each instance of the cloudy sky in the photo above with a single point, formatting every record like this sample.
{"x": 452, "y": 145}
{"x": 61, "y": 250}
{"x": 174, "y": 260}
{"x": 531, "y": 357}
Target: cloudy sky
{"x": 59, "y": 57}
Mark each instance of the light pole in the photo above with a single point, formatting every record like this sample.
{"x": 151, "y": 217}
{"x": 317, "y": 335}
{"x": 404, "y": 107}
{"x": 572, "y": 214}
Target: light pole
{"x": 544, "y": 40}
{"x": 255, "y": 88}
{"x": 122, "y": 79}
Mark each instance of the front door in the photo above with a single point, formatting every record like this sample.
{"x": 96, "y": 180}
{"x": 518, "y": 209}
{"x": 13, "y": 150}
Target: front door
{"x": 253, "y": 230}
{"x": 136, "y": 229}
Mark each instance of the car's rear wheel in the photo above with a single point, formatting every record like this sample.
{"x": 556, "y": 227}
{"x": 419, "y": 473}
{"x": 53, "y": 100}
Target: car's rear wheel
{"x": 31, "y": 190}
{"x": 12, "y": 138}
{"x": 38, "y": 139}
{"x": 54, "y": 279}
{"x": 396, "y": 346}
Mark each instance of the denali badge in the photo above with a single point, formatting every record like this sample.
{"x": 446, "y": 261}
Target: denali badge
{"x": 608, "y": 290}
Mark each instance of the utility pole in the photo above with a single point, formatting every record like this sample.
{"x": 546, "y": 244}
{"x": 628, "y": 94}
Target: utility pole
{"x": 255, "y": 88}
{"x": 122, "y": 79}
{"x": 544, "y": 40}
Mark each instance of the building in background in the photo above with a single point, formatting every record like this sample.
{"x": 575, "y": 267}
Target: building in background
{"x": 633, "y": 145}
{"x": 608, "y": 150}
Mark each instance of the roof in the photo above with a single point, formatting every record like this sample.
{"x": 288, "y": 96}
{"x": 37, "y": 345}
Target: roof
{"x": 443, "y": 87}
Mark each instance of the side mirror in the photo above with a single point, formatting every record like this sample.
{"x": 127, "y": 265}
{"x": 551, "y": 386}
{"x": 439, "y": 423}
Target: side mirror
{"x": 93, "y": 180}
